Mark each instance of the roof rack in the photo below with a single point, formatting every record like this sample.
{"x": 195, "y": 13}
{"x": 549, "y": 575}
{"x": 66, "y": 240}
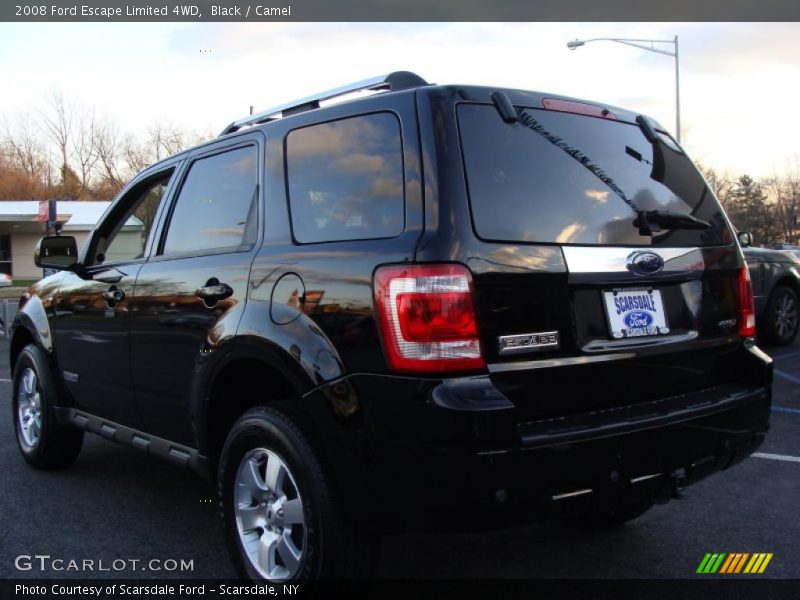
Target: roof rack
{"x": 398, "y": 80}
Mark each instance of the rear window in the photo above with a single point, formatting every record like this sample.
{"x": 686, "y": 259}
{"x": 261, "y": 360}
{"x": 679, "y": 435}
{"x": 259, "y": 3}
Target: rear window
{"x": 346, "y": 179}
{"x": 562, "y": 178}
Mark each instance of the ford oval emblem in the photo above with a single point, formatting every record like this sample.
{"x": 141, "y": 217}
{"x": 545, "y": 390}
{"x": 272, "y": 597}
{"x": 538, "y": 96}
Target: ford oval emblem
{"x": 637, "y": 319}
{"x": 643, "y": 262}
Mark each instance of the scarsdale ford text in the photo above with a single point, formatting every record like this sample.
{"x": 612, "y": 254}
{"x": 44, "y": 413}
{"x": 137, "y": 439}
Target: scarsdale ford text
{"x": 102, "y": 591}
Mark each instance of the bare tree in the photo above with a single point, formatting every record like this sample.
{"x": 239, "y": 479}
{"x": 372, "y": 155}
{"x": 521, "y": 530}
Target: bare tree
{"x": 137, "y": 156}
{"x": 15, "y": 182}
{"x": 721, "y": 182}
{"x": 57, "y": 121}
{"x": 23, "y": 146}
{"x": 92, "y": 156}
{"x": 83, "y": 147}
{"x": 785, "y": 190}
{"x": 166, "y": 139}
{"x": 107, "y": 148}
{"x": 162, "y": 140}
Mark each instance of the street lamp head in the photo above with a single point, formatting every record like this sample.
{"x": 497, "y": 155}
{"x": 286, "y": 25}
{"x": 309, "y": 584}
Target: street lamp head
{"x": 574, "y": 44}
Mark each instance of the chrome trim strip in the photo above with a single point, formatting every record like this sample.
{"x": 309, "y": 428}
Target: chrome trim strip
{"x": 613, "y": 259}
{"x": 572, "y": 494}
{"x": 643, "y": 342}
{"x": 555, "y": 362}
{"x": 645, "y": 477}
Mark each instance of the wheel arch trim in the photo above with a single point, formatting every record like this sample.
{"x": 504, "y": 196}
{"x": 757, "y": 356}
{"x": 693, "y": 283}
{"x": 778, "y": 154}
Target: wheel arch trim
{"x": 241, "y": 348}
{"x": 32, "y": 320}
{"x": 790, "y": 278}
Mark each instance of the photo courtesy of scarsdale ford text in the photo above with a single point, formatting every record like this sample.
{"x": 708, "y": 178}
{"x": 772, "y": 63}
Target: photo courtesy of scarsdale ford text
{"x": 111, "y": 590}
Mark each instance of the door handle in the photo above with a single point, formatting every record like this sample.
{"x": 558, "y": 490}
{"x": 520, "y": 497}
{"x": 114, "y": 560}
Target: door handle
{"x": 109, "y": 276}
{"x": 214, "y": 291}
{"x": 114, "y": 295}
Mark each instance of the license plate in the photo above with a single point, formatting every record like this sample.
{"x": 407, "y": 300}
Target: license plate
{"x": 635, "y": 313}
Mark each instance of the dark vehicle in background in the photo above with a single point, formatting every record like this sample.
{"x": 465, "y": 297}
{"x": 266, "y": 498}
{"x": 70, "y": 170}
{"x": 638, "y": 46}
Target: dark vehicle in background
{"x": 776, "y": 284}
{"x": 428, "y": 308}
{"x": 784, "y": 246}
{"x": 789, "y": 248}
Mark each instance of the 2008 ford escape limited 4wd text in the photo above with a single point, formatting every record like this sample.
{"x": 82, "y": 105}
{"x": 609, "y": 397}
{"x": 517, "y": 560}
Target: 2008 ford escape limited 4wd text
{"x": 400, "y": 306}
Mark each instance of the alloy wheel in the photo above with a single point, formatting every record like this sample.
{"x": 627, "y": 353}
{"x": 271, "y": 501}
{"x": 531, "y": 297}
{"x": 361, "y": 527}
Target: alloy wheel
{"x": 269, "y": 515}
{"x": 29, "y": 408}
{"x": 786, "y": 316}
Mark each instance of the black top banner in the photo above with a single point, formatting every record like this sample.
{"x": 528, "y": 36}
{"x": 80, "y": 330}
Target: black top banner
{"x": 397, "y": 10}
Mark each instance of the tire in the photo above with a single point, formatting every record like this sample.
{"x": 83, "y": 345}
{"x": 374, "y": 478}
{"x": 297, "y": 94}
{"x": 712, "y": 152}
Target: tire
{"x": 616, "y": 516}
{"x": 281, "y": 514}
{"x": 782, "y": 317}
{"x": 43, "y": 442}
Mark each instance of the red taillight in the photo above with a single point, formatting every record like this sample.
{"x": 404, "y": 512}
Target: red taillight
{"x": 439, "y": 317}
{"x": 427, "y": 318}
{"x": 747, "y": 311}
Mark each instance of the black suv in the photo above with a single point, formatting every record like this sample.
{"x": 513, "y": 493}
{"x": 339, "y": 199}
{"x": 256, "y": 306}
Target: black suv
{"x": 432, "y": 307}
{"x": 776, "y": 285}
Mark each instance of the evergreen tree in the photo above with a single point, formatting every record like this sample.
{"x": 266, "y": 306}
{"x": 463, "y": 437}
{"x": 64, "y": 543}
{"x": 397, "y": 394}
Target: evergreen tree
{"x": 749, "y": 210}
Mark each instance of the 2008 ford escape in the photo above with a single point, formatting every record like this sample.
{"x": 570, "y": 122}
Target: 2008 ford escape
{"x": 428, "y": 307}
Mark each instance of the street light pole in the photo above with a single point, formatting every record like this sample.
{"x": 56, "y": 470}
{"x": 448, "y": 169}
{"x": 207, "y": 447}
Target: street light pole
{"x": 677, "y": 93}
{"x": 638, "y": 43}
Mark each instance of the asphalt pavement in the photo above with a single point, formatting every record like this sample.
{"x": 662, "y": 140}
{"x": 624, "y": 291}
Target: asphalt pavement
{"x": 117, "y": 504}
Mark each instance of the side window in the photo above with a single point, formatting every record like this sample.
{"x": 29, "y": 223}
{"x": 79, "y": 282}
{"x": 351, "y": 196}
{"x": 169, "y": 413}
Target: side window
{"x": 346, "y": 179}
{"x": 123, "y": 237}
{"x": 216, "y": 207}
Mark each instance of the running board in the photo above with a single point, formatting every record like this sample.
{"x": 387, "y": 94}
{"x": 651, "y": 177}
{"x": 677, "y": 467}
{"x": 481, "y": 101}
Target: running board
{"x": 177, "y": 454}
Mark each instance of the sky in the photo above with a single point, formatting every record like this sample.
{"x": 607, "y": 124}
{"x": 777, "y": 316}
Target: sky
{"x": 740, "y": 82}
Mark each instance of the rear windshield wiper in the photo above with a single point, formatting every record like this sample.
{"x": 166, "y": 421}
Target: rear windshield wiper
{"x": 505, "y": 107}
{"x": 650, "y": 221}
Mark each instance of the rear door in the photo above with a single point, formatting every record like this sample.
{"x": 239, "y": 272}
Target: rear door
{"x": 189, "y": 296}
{"x": 577, "y": 282}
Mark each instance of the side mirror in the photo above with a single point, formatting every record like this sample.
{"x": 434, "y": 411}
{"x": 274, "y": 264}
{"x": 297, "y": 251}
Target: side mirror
{"x": 56, "y": 252}
{"x": 745, "y": 238}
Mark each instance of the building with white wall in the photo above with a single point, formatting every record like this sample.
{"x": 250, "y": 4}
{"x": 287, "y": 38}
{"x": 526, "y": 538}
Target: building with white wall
{"x": 20, "y": 230}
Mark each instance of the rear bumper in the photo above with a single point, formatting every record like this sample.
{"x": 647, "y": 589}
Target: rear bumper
{"x": 423, "y": 454}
